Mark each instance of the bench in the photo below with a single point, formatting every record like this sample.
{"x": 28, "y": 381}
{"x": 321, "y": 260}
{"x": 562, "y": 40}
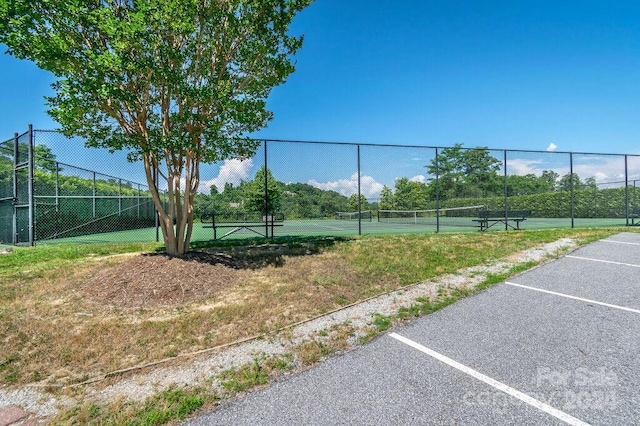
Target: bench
{"x": 635, "y": 214}
{"x": 488, "y": 218}
{"x": 253, "y": 223}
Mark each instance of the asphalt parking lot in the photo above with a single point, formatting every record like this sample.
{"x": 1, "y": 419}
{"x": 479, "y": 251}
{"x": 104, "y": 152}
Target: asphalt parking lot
{"x": 558, "y": 344}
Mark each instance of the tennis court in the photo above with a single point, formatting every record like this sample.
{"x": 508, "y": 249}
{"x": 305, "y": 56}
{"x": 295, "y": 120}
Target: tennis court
{"x": 555, "y": 345}
{"x": 343, "y": 227}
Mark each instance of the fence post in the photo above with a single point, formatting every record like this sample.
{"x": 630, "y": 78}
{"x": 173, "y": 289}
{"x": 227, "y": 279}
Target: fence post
{"x": 437, "y": 194}
{"x": 571, "y": 188}
{"x": 359, "y": 195}
{"x": 626, "y": 190}
{"x": 57, "y": 188}
{"x": 266, "y": 194}
{"x": 155, "y": 209}
{"x": 16, "y": 153}
{"x": 30, "y": 189}
{"x": 138, "y": 201}
{"x": 506, "y": 193}
{"x": 94, "y": 196}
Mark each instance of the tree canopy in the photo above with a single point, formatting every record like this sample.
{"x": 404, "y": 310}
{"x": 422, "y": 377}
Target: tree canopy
{"x": 293, "y": 200}
{"x": 174, "y": 82}
{"x": 255, "y": 193}
{"x": 465, "y": 172}
{"x": 473, "y": 173}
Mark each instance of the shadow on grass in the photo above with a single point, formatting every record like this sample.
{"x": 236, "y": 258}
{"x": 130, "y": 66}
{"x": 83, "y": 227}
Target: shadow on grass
{"x": 255, "y": 253}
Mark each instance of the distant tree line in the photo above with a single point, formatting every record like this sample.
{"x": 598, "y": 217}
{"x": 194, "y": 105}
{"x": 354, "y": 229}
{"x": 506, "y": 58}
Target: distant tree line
{"x": 464, "y": 177}
{"x": 472, "y": 173}
{"x": 294, "y": 200}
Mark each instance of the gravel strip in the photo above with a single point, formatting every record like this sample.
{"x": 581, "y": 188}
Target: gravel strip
{"x": 197, "y": 370}
{"x": 34, "y": 401}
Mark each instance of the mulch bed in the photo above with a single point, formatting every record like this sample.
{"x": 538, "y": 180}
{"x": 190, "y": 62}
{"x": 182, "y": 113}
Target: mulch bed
{"x": 158, "y": 280}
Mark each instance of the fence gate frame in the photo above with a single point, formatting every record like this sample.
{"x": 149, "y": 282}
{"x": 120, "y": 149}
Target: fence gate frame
{"x": 12, "y": 197}
{"x": 17, "y": 200}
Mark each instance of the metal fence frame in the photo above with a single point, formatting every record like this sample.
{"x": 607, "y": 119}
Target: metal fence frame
{"x": 437, "y": 150}
{"x": 28, "y": 202}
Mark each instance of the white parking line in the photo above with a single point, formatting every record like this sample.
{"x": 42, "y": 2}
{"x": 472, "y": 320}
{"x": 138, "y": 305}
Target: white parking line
{"x": 623, "y": 308}
{"x": 492, "y": 382}
{"x": 603, "y": 261}
{"x": 620, "y": 242}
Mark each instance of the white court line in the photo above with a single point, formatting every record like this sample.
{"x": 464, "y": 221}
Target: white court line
{"x": 603, "y": 261}
{"x": 492, "y": 382}
{"x": 335, "y": 228}
{"x": 608, "y": 305}
{"x": 620, "y": 242}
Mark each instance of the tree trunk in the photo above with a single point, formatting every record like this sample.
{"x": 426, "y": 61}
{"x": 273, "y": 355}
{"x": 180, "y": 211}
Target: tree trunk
{"x": 176, "y": 218}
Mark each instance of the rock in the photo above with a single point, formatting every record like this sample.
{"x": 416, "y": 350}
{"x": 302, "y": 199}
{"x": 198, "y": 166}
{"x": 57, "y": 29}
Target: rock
{"x": 10, "y": 414}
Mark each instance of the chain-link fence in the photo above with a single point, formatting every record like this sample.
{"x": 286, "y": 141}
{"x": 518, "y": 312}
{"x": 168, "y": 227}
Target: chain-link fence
{"x": 42, "y": 199}
{"x": 15, "y": 189}
{"x": 342, "y": 189}
{"x": 7, "y": 173}
{"x": 315, "y": 188}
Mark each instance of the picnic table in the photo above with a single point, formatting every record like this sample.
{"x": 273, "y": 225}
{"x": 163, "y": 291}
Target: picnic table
{"x": 488, "y": 218}
{"x": 262, "y": 225}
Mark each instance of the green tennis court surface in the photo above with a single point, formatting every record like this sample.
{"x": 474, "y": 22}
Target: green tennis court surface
{"x": 337, "y": 227}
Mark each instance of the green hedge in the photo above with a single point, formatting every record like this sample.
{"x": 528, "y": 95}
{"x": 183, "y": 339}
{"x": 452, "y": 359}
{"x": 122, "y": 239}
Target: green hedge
{"x": 588, "y": 203}
{"x": 75, "y": 213}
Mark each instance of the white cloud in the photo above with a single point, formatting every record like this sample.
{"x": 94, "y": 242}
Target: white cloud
{"x": 347, "y": 187}
{"x": 601, "y": 176}
{"x": 519, "y": 166}
{"x": 418, "y": 178}
{"x": 369, "y": 187}
{"x": 602, "y": 168}
{"x": 552, "y": 147}
{"x": 231, "y": 171}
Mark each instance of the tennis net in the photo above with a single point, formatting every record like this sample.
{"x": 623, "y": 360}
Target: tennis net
{"x": 451, "y": 216}
{"x": 364, "y": 215}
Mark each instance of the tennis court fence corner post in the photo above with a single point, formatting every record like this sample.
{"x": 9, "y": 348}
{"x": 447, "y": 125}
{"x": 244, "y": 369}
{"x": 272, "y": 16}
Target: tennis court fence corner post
{"x": 30, "y": 188}
{"x": 14, "y": 221}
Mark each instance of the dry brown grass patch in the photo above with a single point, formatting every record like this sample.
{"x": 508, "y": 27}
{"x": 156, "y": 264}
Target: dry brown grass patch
{"x": 70, "y": 324}
{"x": 109, "y": 313}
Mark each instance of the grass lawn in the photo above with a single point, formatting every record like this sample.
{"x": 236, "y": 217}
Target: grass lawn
{"x": 55, "y": 335}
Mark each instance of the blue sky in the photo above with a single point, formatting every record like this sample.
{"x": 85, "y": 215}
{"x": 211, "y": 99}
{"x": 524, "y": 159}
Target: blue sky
{"x": 505, "y": 74}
